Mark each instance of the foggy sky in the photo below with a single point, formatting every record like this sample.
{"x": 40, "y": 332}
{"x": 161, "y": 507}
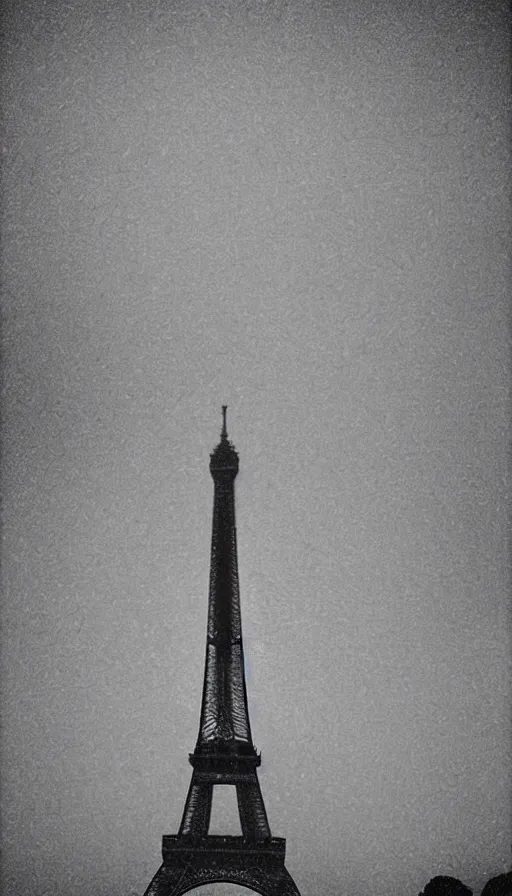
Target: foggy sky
{"x": 298, "y": 209}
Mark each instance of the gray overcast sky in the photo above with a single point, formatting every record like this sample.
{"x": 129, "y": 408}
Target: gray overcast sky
{"x": 300, "y": 210}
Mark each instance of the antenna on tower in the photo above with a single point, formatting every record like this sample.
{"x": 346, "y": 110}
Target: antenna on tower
{"x": 224, "y": 433}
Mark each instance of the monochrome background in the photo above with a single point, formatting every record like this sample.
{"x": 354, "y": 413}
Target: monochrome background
{"x": 299, "y": 209}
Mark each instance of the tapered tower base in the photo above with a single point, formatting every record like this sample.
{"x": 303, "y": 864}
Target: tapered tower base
{"x": 191, "y": 863}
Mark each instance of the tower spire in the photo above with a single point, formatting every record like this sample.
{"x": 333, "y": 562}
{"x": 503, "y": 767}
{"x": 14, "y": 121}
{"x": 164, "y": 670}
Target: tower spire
{"x": 224, "y": 712}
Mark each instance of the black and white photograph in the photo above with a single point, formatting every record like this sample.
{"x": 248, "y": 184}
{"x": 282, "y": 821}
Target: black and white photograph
{"x": 255, "y": 619}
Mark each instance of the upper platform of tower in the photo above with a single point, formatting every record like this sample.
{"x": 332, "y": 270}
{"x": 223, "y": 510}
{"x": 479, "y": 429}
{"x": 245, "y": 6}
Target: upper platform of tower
{"x": 224, "y": 458}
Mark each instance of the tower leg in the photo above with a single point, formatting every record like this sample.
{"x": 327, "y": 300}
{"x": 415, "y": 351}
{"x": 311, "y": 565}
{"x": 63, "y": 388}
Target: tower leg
{"x": 198, "y": 807}
{"x": 251, "y": 808}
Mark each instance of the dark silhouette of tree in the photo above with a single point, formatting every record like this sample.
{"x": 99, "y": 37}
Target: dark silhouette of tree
{"x": 446, "y": 886}
{"x": 501, "y": 885}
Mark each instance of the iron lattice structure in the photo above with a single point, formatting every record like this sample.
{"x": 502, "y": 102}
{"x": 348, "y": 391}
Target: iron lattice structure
{"x": 224, "y": 752}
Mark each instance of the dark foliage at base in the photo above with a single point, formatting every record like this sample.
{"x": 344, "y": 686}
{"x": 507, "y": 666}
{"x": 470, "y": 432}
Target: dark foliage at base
{"x": 452, "y": 886}
{"x": 446, "y": 886}
{"x": 499, "y": 886}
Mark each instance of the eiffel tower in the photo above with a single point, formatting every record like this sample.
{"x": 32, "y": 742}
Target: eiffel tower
{"x": 224, "y": 752}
